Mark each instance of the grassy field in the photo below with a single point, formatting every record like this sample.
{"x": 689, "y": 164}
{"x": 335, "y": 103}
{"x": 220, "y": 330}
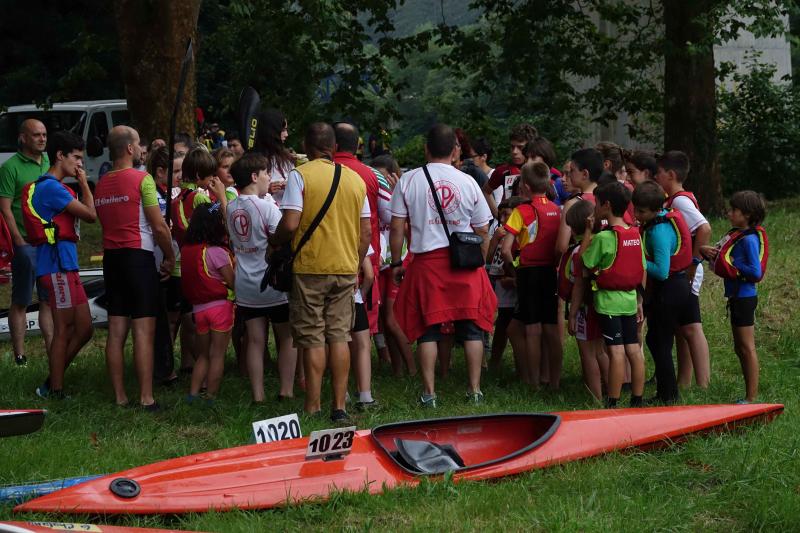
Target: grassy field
{"x": 743, "y": 481}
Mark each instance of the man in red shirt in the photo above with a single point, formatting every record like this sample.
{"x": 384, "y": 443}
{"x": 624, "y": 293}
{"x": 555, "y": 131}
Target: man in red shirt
{"x": 346, "y": 146}
{"x": 506, "y": 175}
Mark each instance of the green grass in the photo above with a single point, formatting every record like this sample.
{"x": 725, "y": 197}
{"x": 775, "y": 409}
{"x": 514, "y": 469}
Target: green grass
{"x": 742, "y": 481}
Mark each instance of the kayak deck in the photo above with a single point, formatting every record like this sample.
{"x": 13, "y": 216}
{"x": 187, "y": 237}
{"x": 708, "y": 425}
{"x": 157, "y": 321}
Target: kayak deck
{"x": 477, "y": 447}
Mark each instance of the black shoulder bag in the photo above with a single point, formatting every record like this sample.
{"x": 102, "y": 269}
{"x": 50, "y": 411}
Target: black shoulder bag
{"x": 465, "y": 247}
{"x": 280, "y": 270}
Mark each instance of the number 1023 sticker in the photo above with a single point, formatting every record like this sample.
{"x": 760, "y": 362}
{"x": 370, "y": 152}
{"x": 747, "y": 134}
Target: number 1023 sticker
{"x": 279, "y": 428}
{"x": 330, "y": 442}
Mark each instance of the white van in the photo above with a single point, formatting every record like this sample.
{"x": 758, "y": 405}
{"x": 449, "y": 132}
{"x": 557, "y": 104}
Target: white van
{"x": 91, "y": 120}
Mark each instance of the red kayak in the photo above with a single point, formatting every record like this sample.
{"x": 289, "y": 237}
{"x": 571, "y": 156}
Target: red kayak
{"x": 20, "y": 421}
{"x": 49, "y": 527}
{"x": 261, "y": 476}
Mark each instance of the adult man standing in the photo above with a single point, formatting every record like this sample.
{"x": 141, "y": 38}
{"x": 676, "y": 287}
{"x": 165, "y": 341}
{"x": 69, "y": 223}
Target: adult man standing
{"x": 325, "y": 271}
{"x": 434, "y": 292}
{"x": 346, "y": 146}
{"x": 23, "y": 168}
{"x": 127, "y": 206}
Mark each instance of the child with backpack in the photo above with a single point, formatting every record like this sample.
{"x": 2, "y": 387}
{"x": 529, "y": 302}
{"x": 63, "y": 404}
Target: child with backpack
{"x": 740, "y": 259}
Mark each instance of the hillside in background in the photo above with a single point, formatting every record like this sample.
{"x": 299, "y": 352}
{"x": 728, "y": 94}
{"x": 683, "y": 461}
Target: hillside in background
{"x": 415, "y": 13}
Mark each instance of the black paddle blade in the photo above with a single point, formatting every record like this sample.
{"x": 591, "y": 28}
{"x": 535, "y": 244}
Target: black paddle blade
{"x": 249, "y": 103}
{"x": 14, "y": 423}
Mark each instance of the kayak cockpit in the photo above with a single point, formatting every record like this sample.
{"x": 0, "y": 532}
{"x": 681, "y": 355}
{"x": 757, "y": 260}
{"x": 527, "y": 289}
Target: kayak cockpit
{"x": 460, "y": 443}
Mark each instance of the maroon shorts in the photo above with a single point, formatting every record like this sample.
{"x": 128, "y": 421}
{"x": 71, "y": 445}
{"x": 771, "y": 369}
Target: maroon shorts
{"x": 64, "y": 289}
{"x": 389, "y": 288}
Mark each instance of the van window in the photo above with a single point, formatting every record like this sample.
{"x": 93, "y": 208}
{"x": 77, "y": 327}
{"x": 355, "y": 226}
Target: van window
{"x": 121, "y": 117}
{"x": 53, "y": 121}
{"x": 98, "y": 127}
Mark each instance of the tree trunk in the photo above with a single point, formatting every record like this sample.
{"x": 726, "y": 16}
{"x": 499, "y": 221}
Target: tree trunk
{"x": 152, "y": 44}
{"x": 690, "y": 103}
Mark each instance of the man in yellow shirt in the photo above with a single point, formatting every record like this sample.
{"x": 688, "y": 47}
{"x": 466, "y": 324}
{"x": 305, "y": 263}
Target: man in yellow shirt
{"x": 326, "y": 269}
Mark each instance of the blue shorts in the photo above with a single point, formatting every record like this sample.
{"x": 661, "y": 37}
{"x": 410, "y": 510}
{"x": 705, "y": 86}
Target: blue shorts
{"x": 23, "y": 276}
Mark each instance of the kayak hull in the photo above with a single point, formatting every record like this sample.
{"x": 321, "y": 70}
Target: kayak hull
{"x": 49, "y": 527}
{"x": 20, "y": 421}
{"x": 271, "y": 475}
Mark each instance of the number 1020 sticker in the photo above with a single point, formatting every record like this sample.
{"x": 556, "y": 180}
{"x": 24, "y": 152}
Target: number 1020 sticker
{"x": 330, "y": 442}
{"x": 279, "y": 428}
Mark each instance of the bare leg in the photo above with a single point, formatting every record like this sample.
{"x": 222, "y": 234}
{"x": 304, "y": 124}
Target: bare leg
{"x": 745, "y": 345}
{"x": 684, "y": 360}
{"x": 473, "y": 350}
{"x": 616, "y": 370}
{"x": 499, "y": 341}
{"x": 72, "y": 330}
{"x": 394, "y": 330}
{"x": 287, "y": 359}
{"x": 633, "y": 353}
{"x": 426, "y": 351}
{"x": 144, "y": 330}
{"x": 17, "y": 324}
{"x": 314, "y": 362}
{"x": 256, "y": 331}
{"x": 216, "y": 360}
{"x": 339, "y": 361}
{"x": 187, "y": 341}
{"x": 555, "y": 351}
{"x": 361, "y": 360}
{"x": 202, "y": 347}
{"x": 46, "y": 324}
{"x": 591, "y": 368}
{"x": 602, "y": 358}
{"x": 115, "y": 345}
{"x": 700, "y": 356}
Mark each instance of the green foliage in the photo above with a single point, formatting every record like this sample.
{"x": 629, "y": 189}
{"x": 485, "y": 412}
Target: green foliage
{"x": 759, "y": 132}
{"x": 412, "y": 153}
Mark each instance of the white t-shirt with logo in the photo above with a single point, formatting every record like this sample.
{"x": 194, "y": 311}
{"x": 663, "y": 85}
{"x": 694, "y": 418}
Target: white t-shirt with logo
{"x": 279, "y": 174}
{"x": 251, "y": 220}
{"x": 505, "y": 297}
{"x": 462, "y": 201}
{"x": 694, "y": 219}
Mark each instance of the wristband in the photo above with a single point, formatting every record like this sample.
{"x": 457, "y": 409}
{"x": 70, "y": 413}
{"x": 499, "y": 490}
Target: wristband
{"x": 395, "y": 264}
{"x": 697, "y": 260}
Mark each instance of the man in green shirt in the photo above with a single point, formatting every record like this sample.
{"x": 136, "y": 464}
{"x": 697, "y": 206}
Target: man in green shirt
{"x": 24, "y": 167}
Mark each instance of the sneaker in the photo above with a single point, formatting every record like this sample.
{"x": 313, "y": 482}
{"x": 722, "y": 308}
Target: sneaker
{"x": 43, "y": 391}
{"x": 151, "y": 408}
{"x": 21, "y": 360}
{"x": 475, "y": 397}
{"x": 340, "y": 416}
{"x": 742, "y": 401}
{"x": 429, "y": 403}
{"x": 366, "y": 406}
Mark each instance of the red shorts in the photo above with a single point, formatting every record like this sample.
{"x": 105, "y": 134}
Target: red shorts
{"x": 218, "y": 318}
{"x": 588, "y": 324}
{"x": 389, "y": 288}
{"x": 64, "y": 289}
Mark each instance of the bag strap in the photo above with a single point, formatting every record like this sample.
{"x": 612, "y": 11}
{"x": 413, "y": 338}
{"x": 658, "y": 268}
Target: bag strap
{"x": 436, "y": 201}
{"x": 337, "y": 173}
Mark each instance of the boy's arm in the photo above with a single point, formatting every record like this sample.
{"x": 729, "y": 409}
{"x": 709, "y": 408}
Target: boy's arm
{"x": 228, "y": 275}
{"x": 662, "y": 246}
{"x": 507, "y": 246}
{"x": 576, "y": 300}
{"x": 748, "y": 263}
{"x": 564, "y": 233}
{"x": 701, "y": 238}
{"x": 368, "y": 275}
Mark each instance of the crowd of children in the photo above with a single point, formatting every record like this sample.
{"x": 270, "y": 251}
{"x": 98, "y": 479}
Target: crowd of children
{"x": 607, "y": 246}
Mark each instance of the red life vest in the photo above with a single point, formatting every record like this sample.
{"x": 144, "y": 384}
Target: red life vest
{"x": 6, "y": 249}
{"x": 681, "y": 259}
{"x": 540, "y": 251}
{"x": 182, "y": 210}
{"x": 198, "y": 286}
{"x": 41, "y": 231}
{"x": 723, "y": 265}
{"x": 687, "y": 194}
{"x": 626, "y": 270}
{"x": 565, "y": 280}
{"x": 120, "y": 210}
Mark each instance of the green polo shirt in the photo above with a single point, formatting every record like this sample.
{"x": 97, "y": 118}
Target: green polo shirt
{"x": 15, "y": 174}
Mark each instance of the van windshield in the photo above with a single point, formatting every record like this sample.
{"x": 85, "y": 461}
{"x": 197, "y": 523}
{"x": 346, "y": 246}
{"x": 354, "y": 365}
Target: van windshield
{"x": 53, "y": 120}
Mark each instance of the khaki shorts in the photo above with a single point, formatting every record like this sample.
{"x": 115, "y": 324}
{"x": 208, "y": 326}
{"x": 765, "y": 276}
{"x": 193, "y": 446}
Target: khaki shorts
{"x": 321, "y": 308}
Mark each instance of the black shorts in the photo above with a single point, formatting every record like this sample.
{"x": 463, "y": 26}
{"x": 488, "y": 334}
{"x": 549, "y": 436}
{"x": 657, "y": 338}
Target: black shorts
{"x": 176, "y": 303}
{"x": 743, "y": 311}
{"x": 689, "y": 313}
{"x": 277, "y": 314}
{"x": 537, "y": 298}
{"x": 504, "y": 315}
{"x": 361, "y": 321}
{"x": 619, "y": 330}
{"x": 131, "y": 283}
{"x": 466, "y": 330}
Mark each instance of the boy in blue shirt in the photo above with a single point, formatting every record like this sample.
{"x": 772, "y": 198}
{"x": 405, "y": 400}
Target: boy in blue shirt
{"x": 740, "y": 258}
{"x": 50, "y": 210}
{"x": 668, "y": 251}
